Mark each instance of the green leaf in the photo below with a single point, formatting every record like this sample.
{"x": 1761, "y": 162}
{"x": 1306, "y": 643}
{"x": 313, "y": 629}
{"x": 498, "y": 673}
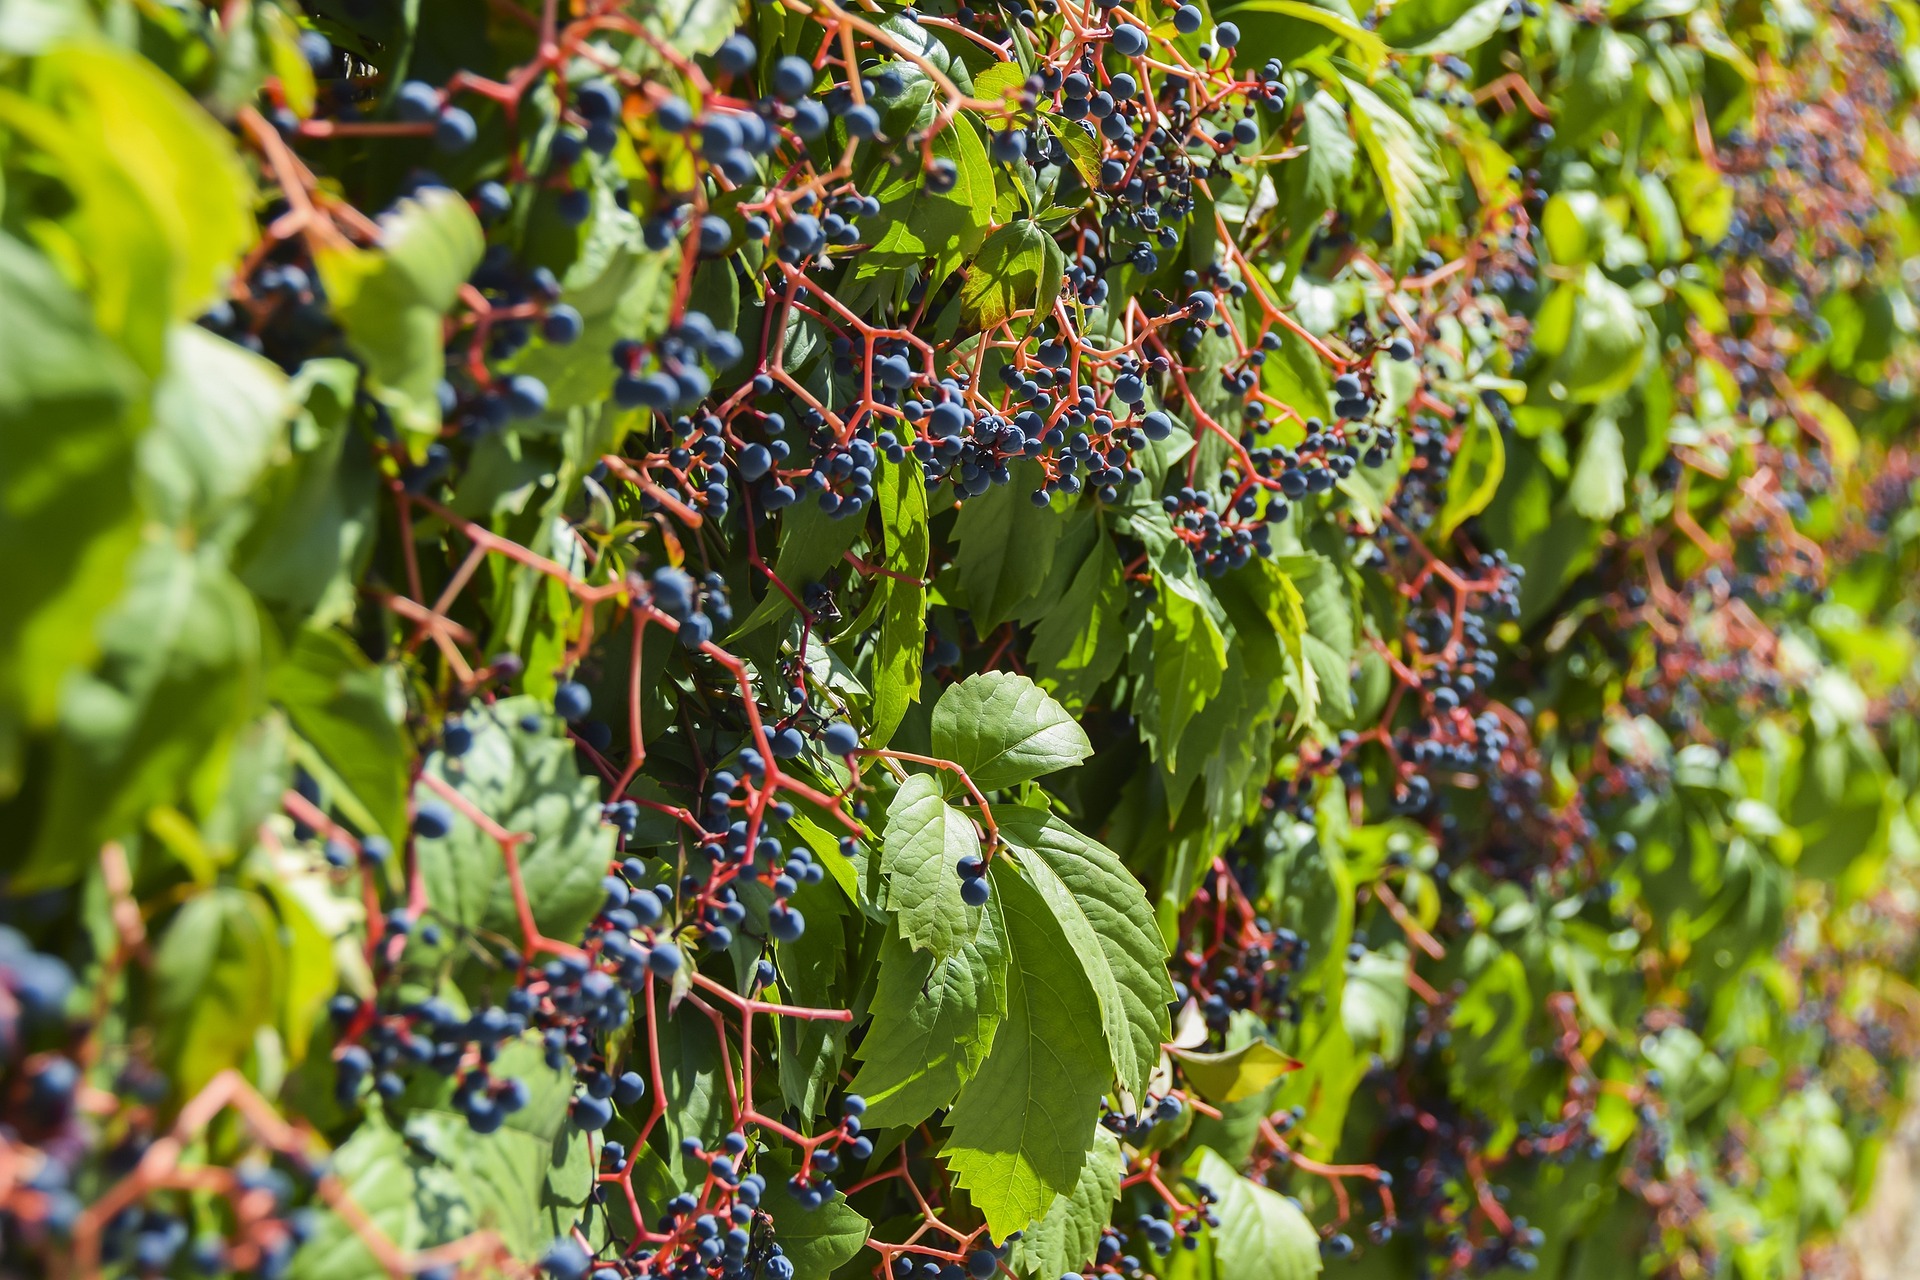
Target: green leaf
{"x": 1329, "y": 640}
{"x": 1081, "y": 641}
{"x": 933, "y": 1022}
{"x": 1018, "y": 269}
{"x": 215, "y": 974}
{"x": 1002, "y": 729}
{"x": 342, "y": 706}
{"x": 1006, "y": 547}
{"x": 1021, "y": 1131}
{"x": 1604, "y": 345}
{"x": 1332, "y": 154}
{"x": 1411, "y": 174}
{"x": 219, "y": 416}
{"x": 1065, "y": 1239}
{"x": 1104, "y": 914}
{"x": 316, "y": 525}
{"x": 1083, "y": 152}
{"x": 67, "y": 519}
{"x": 1367, "y": 46}
{"x": 1235, "y": 1074}
{"x": 1441, "y": 26}
{"x": 391, "y": 300}
{"x": 1189, "y": 656}
{"x": 1475, "y": 475}
{"x": 1598, "y": 489}
{"x": 194, "y": 189}
{"x": 923, "y": 839}
{"x": 817, "y": 1241}
{"x": 916, "y": 224}
{"x": 694, "y": 27}
{"x": 1262, "y": 1234}
{"x": 528, "y": 783}
{"x": 901, "y": 496}
{"x": 178, "y": 676}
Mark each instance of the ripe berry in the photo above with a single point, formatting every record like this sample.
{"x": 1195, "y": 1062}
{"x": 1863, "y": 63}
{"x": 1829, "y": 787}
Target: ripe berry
{"x": 792, "y": 78}
{"x": 1129, "y": 41}
{"x": 976, "y": 891}
{"x": 841, "y": 738}
{"x": 572, "y": 701}
{"x": 1186, "y": 19}
{"x": 432, "y": 820}
{"x": 561, "y": 325}
{"x": 981, "y": 1264}
{"x": 417, "y": 102}
{"x": 454, "y": 131}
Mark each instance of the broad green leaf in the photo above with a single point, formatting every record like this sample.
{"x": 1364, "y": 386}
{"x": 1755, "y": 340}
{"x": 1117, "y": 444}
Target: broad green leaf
{"x": 215, "y": 974}
{"x": 527, "y": 782}
{"x": 1329, "y": 640}
{"x": 1006, "y": 548}
{"x": 1604, "y": 344}
{"x": 1262, "y": 1235}
{"x": 341, "y": 705}
{"x": 1598, "y": 489}
{"x": 68, "y": 422}
{"x": 179, "y": 675}
{"x": 1189, "y": 656}
{"x": 923, "y": 840}
{"x": 184, "y": 165}
{"x": 1332, "y": 154}
{"x": 1441, "y": 26}
{"x": 1235, "y": 1074}
{"x": 391, "y": 300}
{"x": 1065, "y": 1239}
{"x": 916, "y": 224}
{"x": 1081, "y": 641}
{"x": 1018, "y": 269}
{"x": 901, "y": 495}
{"x": 1002, "y": 729}
{"x": 377, "y": 1168}
{"x": 1108, "y": 923}
{"x": 220, "y": 416}
{"x": 933, "y": 1022}
{"x": 316, "y": 512}
{"x": 1023, "y": 1127}
{"x": 694, "y": 26}
{"x": 1367, "y": 46}
{"x": 1411, "y": 174}
{"x": 1475, "y": 475}
{"x": 817, "y": 1241}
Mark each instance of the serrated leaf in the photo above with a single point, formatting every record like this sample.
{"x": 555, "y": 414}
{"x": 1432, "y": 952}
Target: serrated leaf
{"x": 215, "y": 975}
{"x": 1018, "y": 269}
{"x": 1262, "y": 1234}
{"x": 901, "y": 496}
{"x": 1411, "y": 175}
{"x": 1475, "y": 475}
{"x": 1104, "y": 914}
{"x": 1189, "y": 658}
{"x": 1006, "y": 547}
{"x": 1441, "y": 26}
{"x": 1081, "y": 641}
{"x": 1235, "y": 1074}
{"x": 933, "y": 1022}
{"x": 1332, "y": 154}
{"x": 923, "y": 840}
{"x": 1598, "y": 489}
{"x": 391, "y": 300}
{"x": 1002, "y": 729}
{"x": 528, "y": 783}
{"x": 1021, "y": 1131}
{"x": 338, "y": 702}
{"x": 67, "y": 521}
{"x": 1065, "y": 1239}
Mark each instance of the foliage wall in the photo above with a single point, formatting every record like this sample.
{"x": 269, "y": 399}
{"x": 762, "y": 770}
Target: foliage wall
{"x": 803, "y": 639}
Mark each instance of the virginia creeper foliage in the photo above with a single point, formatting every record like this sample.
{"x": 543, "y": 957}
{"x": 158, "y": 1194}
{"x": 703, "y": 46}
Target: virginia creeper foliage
{"x": 804, "y": 640}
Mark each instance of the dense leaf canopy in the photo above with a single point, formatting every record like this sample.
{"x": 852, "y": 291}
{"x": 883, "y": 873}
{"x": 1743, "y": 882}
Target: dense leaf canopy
{"x": 775, "y": 638}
